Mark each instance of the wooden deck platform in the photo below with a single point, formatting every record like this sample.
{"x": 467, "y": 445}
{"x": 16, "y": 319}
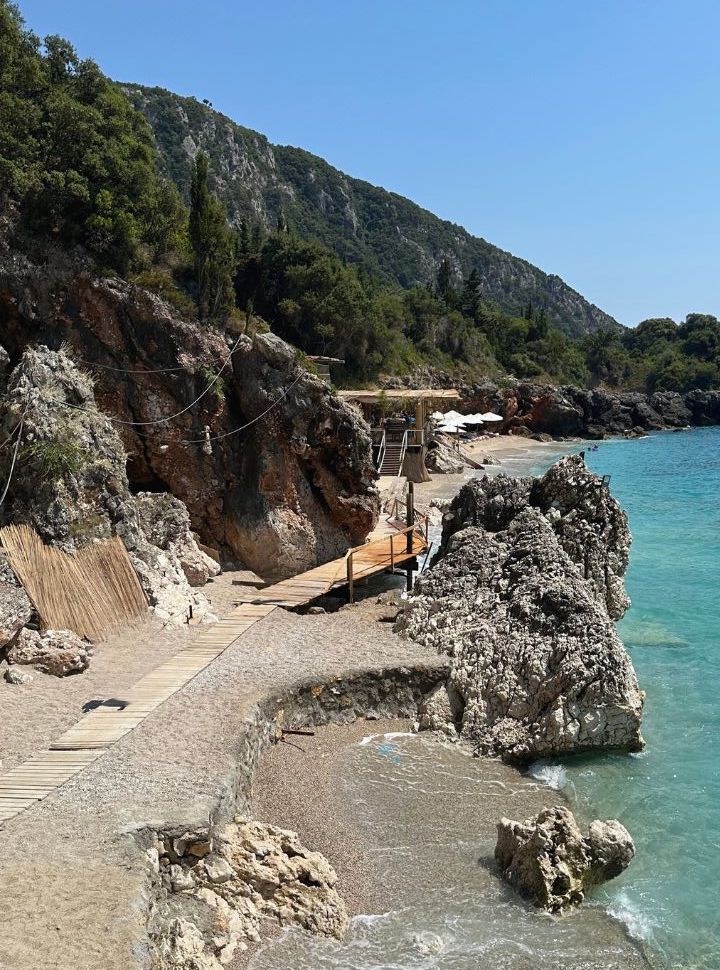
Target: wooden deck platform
{"x": 82, "y": 744}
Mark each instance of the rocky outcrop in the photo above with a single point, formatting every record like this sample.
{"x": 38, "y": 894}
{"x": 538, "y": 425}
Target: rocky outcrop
{"x": 166, "y": 524}
{"x": 442, "y": 460}
{"x": 547, "y": 859}
{"x": 523, "y": 600}
{"x": 218, "y": 888}
{"x": 578, "y": 412}
{"x": 55, "y": 652}
{"x": 69, "y": 482}
{"x": 275, "y": 471}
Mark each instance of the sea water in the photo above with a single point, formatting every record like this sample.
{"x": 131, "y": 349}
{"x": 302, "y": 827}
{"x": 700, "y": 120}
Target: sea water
{"x": 669, "y": 795}
{"x": 428, "y": 810}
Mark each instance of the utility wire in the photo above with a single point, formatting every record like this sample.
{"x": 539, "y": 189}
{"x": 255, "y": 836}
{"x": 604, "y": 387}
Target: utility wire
{"x": 14, "y": 457}
{"x": 10, "y": 437}
{"x": 243, "y": 427}
{"x": 123, "y": 370}
{"x": 170, "y": 417}
{"x": 182, "y": 441}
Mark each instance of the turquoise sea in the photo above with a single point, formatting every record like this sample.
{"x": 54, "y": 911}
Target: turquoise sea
{"x": 669, "y": 795}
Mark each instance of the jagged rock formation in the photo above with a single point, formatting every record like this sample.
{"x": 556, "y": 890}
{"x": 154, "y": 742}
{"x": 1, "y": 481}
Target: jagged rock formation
{"x": 216, "y": 888}
{"x": 395, "y": 238}
{"x": 293, "y": 489}
{"x": 547, "y": 859}
{"x": 523, "y": 600}
{"x": 69, "y": 482}
{"x": 544, "y": 409}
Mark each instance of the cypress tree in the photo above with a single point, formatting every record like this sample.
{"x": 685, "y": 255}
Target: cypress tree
{"x": 213, "y": 246}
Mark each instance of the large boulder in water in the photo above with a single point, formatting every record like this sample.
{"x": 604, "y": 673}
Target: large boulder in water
{"x": 547, "y": 859}
{"x": 535, "y": 658}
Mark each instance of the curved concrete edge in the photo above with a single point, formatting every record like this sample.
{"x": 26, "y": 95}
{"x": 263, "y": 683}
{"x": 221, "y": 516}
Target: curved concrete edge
{"x": 370, "y": 693}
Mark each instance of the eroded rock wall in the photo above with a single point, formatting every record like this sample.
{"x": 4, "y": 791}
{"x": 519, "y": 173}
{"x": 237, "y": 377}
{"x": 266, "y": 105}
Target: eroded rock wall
{"x": 67, "y": 479}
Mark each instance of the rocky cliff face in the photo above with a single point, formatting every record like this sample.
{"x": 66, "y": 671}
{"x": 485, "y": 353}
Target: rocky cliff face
{"x": 67, "y": 479}
{"x": 396, "y": 239}
{"x": 293, "y": 488}
{"x": 523, "y": 600}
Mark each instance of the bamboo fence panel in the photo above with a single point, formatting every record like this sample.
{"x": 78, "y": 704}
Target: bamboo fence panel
{"x": 88, "y": 592}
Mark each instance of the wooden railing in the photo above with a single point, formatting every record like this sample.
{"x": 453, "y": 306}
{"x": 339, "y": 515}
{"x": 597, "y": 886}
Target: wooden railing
{"x": 407, "y": 533}
{"x": 419, "y": 517}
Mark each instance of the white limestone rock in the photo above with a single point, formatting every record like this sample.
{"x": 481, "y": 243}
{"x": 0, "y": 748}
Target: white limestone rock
{"x": 55, "y": 652}
{"x": 535, "y": 659}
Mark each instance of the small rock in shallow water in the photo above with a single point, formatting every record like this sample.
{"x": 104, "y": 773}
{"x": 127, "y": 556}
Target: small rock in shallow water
{"x": 428, "y": 943}
{"x": 547, "y": 859}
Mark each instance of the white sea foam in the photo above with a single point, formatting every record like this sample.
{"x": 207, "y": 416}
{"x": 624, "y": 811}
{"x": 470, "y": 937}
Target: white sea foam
{"x": 554, "y": 776}
{"x": 369, "y": 738}
{"x": 638, "y": 923}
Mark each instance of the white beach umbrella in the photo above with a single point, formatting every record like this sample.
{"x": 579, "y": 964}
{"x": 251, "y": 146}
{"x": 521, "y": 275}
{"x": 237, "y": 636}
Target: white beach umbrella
{"x": 491, "y": 416}
{"x": 473, "y": 419}
{"x": 451, "y": 416}
{"x": 449, "y": 428}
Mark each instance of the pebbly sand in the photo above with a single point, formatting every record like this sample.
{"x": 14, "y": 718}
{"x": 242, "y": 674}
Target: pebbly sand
{"x": 71, "y": 888}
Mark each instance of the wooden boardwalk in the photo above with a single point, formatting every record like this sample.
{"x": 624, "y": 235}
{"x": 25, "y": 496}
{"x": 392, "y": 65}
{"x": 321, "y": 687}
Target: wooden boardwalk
{"x": 389, "y": 546}
{"x": 82, "y": 744}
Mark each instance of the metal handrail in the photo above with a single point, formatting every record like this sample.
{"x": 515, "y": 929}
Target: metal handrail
{"x": 381, "y": 452}
{"x": 403, "y": 449}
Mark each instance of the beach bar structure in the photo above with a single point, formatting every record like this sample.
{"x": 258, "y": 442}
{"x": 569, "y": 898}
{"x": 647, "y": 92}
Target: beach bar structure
{"x": 399, "y": 420}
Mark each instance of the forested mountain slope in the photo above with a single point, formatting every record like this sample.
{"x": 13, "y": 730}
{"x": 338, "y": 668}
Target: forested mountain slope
{"x": 392, "y": 237}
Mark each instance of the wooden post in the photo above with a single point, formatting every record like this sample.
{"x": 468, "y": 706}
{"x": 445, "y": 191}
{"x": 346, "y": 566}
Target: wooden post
{"x": 392, "y": 554}
{"x": 410, "y": 521}
{"x": 351, "y": 590}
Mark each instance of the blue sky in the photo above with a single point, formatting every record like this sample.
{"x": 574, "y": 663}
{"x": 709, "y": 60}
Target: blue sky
{"x": 582, "y": 135}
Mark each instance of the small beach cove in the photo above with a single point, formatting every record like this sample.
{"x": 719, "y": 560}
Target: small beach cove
{"x": 409, "y": 824}
{"x": 666, "y": 795}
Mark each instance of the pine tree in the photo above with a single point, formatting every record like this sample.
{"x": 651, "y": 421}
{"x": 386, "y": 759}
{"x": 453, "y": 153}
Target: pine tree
{"x": 213, "y": 246}
{"x": 470, "y": 298}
